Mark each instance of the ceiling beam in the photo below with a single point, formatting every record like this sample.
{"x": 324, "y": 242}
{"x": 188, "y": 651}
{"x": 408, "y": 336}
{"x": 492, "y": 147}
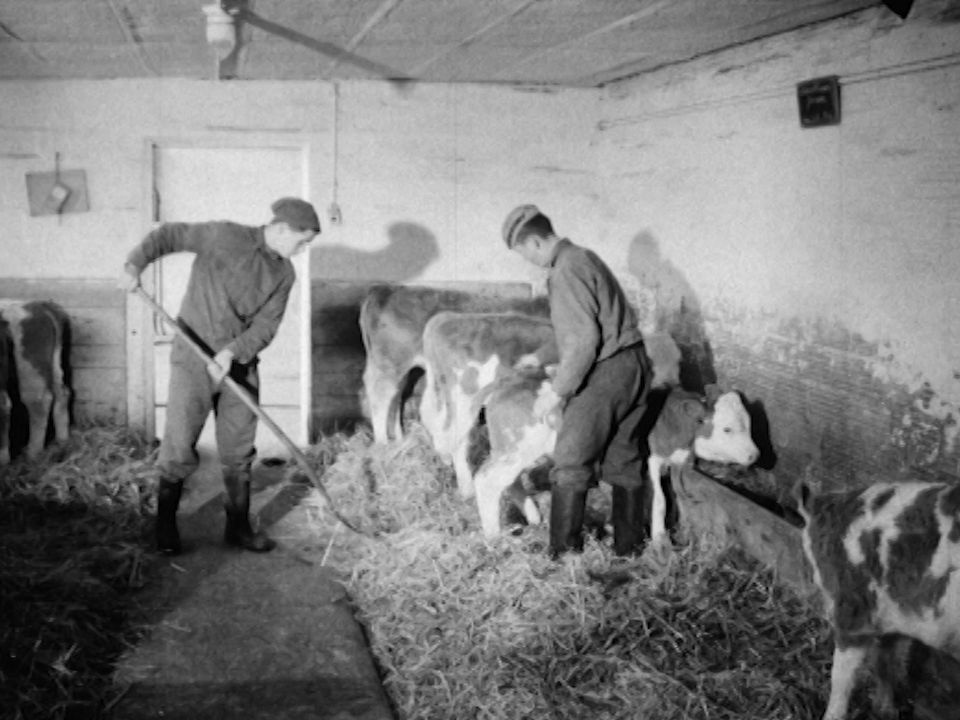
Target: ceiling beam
{"x": 128, "y": 26}
{"x": 573, "y": 42}
{"x": 387, "y": 7}
{"x": 469, "y": 40}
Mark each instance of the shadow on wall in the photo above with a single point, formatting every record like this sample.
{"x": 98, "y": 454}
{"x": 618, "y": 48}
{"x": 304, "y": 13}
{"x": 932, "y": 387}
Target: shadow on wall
{"x": 341, "y": 277}
{"x": 676, "y": 309}
{"x": 410, "y": 250}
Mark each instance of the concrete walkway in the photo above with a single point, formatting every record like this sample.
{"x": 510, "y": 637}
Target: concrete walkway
{"x": 242, "y": 635}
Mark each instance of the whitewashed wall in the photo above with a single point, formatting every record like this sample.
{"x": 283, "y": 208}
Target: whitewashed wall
{"x": 423, "y": 175}
{"x": 426, "y": 174}
{"x": 435, "y": 168}
{"x": 818, "y": 269}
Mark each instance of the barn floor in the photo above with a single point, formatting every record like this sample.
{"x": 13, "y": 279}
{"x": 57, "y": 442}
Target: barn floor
{"x": 236, "y": 634}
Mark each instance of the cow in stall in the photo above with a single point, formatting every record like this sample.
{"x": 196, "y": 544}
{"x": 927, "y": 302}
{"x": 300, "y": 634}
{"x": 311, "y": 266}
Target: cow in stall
{"x": 392, "y": 320}
{"x": 887, "y": 560}
{"x": 39, "y": 333}
{"x": 464, "y": 353}
{"x": 716, "y": 428}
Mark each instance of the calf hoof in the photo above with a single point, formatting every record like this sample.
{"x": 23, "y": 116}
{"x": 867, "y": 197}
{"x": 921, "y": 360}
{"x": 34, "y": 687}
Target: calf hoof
{"x": 4, "y": 457}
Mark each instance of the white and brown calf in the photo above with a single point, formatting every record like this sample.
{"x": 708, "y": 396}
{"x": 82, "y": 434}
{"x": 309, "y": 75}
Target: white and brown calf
{"x": 887, "y": 560}
{"x": 714, "y": 428}
{"x": 519, "y": 440}
{"x": 465, "y": 353}
{"x": 38, "y": 331}
{"x": 392, "y": 320}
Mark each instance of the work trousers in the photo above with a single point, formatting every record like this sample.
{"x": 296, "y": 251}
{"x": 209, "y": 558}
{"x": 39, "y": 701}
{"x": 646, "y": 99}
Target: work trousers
{"x": 602, "y": 424}
{"x": 193, "y": 394}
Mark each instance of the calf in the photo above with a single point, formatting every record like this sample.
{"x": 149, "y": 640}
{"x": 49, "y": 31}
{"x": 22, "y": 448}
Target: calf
{"x": 715, "y": 428}
{"x": 392, "y": 319}
{"x": 39, "y": 331}
{"x": 887, "y": 560}
{"x": 519, "y": 439}
{"x": 464, "y": 353}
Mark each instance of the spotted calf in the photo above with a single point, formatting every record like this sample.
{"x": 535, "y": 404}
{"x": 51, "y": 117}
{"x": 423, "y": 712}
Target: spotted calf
{"x": 465, "y": 353}
{"x": 39, "y": 331}
{"x": 887, "y": 560}
{"x": 392, "y": 319}
{"x": 715, "y": 427}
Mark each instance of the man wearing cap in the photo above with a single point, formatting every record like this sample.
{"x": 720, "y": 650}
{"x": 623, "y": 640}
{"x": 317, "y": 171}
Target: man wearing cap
{"x": 601, "y": 384}
{"x": 236, "y": 296}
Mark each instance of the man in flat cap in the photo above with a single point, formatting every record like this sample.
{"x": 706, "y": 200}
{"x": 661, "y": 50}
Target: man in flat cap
{"x": 601, "y": 384}
{"x": 236, "y": 296}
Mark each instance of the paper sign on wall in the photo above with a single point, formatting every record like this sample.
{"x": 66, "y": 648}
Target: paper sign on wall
{"x": 56, "y": 193}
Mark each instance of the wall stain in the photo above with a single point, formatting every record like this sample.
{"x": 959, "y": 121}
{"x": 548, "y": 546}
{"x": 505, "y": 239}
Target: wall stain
{"x": 834, "y": 419}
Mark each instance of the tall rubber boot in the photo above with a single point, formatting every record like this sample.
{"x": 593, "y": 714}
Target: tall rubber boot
{"x": 238, "y": 531}
{"x": 566, "y": 519}
{"x": 627, "y": 517}
{"x": 168, "y": 500}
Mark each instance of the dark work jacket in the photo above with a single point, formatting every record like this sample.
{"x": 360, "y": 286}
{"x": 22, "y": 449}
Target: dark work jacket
{"x": 238, "y": 287}
{"x": 590, "y": 314}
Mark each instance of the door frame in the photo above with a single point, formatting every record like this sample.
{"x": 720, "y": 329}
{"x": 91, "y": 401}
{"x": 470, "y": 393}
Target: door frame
{"x": 140, "y": 319}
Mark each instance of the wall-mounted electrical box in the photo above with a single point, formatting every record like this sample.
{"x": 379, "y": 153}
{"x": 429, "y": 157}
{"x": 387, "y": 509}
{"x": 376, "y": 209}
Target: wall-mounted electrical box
{"x": 819, "y": 101}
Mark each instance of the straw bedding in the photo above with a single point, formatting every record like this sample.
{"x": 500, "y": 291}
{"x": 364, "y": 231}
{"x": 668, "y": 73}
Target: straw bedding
{"x": 461, "y": 627}
{"x": 71, "y": 552}
{"x": 467, "y": 628}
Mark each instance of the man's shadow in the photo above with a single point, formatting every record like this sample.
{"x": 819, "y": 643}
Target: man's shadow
{"x": 411, "y": 248}
{"x": 676, "y": 310}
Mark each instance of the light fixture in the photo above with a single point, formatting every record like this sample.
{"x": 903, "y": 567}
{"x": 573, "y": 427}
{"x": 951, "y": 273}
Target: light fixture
{"x": 221, "y": 33}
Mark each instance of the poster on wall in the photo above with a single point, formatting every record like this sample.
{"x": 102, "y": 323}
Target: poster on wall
{"x": 57, "y": 192}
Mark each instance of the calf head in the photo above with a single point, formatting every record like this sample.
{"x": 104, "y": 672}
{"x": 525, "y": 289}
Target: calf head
{"x": 724, "y": 434}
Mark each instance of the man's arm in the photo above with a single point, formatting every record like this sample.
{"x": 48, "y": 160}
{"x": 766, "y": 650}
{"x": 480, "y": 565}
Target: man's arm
{"x": 573, "y": 310}
{"x": 262, "y": 330}
{"x": 166, "y": 239}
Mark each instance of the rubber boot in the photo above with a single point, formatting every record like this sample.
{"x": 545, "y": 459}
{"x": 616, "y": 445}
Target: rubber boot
{"x": 238, "y": 532}
{"x": 627, "y": 517}
{"x": 168, "y": 500}
{"x": 566, "y": 519}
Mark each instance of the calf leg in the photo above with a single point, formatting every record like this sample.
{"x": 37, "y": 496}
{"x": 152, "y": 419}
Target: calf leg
{"x": 658, "y": 509}
{"x": 61, "y": 401}
{"x": 38, "y": 400}
{"x": 493, "y": 477}
{"x": 381, "y": 392}
{"x": 843, "y": 676}
{"x": 461, "y": 467}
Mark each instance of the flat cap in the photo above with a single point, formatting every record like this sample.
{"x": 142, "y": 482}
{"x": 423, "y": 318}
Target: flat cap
{"x": 297, "y": 213}
{"x": 517, "y": 218}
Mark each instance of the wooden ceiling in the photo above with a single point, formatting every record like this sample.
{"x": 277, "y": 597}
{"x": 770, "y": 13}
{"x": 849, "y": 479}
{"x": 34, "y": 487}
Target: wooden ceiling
{"x": 572, "y": 43}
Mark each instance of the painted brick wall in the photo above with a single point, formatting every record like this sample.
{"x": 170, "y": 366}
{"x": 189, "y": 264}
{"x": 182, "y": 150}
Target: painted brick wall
{"x": 816, "y": 270}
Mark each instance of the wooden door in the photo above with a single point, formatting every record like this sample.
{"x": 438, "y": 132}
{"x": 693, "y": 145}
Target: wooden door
{"x": 194, "y": 184}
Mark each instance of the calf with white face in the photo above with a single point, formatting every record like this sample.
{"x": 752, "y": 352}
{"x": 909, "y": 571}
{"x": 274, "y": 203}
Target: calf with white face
{"x": 715, "y": 428}
{"x": 887, "y": 560}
